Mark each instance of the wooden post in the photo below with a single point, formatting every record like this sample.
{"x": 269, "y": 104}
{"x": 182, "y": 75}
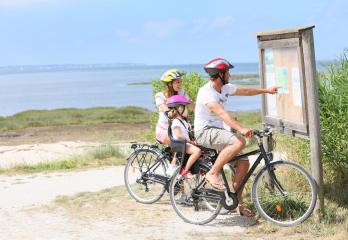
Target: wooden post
{"x": 313, "y": 115}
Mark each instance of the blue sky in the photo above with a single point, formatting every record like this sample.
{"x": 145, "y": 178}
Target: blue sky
{"x": 36, "y": 32}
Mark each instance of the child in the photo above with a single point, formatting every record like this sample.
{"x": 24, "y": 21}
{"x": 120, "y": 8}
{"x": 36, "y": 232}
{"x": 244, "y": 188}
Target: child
{"x": 180, "y": 130}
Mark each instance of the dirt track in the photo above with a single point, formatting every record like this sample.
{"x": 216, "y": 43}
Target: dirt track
{"x": 28, "y": 210}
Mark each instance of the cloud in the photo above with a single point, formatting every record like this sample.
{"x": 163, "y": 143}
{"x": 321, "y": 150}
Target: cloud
{"x": 127, "y": 36}
{"x": 24, "y": 3}
{"x": 151, "y": 30}
{"x": 162, "y": 29}
{"x": 203, "y": 25}
{"x": 221, "y": 22}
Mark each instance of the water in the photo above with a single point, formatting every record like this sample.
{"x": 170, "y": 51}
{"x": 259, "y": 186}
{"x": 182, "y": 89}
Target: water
{"x": 20, "y": 91}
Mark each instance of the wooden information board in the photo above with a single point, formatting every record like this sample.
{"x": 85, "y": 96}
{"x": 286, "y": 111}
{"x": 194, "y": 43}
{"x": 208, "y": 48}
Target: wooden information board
{"x": 287, "y": 59}
{"x": 282, "y": 64}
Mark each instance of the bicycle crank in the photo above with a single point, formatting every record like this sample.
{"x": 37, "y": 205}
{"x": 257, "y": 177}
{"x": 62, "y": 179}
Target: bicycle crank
{"x": 229, "y": 200}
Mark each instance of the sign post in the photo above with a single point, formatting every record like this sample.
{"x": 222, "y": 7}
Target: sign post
{"x": 287, "y": 59}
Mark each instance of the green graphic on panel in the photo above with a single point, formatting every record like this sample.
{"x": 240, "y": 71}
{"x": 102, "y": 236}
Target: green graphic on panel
{"x": 282, "y": 80}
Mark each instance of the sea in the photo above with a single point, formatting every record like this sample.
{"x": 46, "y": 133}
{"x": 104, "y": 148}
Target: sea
{"x": 25, "y": 88}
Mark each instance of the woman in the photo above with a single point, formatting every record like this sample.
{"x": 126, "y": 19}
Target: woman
{"x": 172, "y": 78}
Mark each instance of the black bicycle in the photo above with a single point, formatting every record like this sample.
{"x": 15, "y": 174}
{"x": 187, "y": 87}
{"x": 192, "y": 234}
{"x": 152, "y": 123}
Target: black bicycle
{"x": 282, "y": 192}
{"x": 145, "y": 172}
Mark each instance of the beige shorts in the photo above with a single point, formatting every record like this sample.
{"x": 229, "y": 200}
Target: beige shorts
{"x": 215, "y": 138}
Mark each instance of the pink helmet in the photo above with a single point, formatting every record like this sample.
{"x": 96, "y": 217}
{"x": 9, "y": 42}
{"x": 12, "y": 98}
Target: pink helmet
{"x": 177, "y": 100}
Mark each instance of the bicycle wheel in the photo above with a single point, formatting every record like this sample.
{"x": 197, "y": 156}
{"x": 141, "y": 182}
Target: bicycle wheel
{"x": 297, "y": 201}
{"x": 190, "y": 208}
{"x": 144, "y": 176}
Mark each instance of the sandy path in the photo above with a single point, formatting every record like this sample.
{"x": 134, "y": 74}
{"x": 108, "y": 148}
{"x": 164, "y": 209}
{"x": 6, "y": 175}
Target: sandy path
{"x": 23, "y": 191}
{"x": 31, "y": 154}
{"x": 22, "y": 215}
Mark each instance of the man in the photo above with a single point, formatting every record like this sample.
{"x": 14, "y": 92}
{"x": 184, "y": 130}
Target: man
{"x": 210, "y": 116}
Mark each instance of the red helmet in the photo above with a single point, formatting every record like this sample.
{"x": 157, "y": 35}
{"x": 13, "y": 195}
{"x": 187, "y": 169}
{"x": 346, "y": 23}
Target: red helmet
{"x": 217, "y": 65}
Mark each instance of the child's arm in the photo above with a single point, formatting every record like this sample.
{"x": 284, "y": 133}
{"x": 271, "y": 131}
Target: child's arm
{"x": 178, "y": 133}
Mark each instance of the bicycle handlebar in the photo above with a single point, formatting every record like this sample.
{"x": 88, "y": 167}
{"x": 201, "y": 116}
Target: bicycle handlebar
{"x": 265, "y": 132}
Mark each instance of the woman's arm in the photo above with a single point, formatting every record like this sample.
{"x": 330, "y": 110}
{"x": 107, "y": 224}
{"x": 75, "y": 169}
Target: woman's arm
{"x": 163, "y": 107}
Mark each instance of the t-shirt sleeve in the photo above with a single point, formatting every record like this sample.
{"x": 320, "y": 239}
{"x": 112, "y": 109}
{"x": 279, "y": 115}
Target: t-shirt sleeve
{"x": 176, "y": 123}
{"x": 160, "y": 99}
{"x": 187, "y": 96}
{"x": 231, "y": 88}
{"x": 206, "y": 97}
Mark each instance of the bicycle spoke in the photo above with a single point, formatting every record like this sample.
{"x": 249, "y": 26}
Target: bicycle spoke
{"x": 144, "y": 174}
{"x": 293, "y": 207}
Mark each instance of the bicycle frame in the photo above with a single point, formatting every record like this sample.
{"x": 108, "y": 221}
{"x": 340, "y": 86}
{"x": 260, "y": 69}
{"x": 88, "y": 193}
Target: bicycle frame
{"x": 145, "y": 175}
{"x": 262, "y": 155}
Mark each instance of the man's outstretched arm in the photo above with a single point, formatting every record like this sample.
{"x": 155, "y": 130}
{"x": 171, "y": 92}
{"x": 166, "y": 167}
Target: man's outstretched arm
{"x": 254, "y": 91}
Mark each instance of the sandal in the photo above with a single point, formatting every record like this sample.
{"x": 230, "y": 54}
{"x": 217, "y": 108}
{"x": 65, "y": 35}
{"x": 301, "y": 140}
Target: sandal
{"x": 245, "y": 212}
{"x": 185, "y": 173}
{"x": 216, "y": 186}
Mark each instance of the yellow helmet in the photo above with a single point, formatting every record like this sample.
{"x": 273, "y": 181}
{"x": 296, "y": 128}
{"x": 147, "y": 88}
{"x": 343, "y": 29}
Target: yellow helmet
{"x": 171, "y": 75}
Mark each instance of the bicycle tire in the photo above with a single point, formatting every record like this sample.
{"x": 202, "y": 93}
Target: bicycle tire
{"x": 191, "y": 206}
{"x": 300, "y": 199}
{"x": 143, "y": 188}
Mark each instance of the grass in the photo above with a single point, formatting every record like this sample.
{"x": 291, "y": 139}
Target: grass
{"x": 249, "y": 120}
{"x": 69, "y": 116}
{"x": 104, "y": 155}
{"x": 116, "y": 202}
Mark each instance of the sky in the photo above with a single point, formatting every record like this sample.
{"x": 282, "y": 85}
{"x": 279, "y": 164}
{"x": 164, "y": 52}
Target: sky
{"x": 43, "y": 32}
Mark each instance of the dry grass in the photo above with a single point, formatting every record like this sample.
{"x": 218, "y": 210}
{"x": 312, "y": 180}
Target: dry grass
{"x": 107, "y": 204}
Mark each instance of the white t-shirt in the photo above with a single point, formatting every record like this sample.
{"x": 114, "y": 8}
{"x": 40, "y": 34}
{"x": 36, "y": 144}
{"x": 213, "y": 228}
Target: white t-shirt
{"x": 160, "y": 98}
{"x": 206, "y": 94}
{"x": 183, "y": 125}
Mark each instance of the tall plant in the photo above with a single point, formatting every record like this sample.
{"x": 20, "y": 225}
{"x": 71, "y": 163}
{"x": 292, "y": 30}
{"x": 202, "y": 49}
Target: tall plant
{"x": 333, "y": 98}
{"x": 191, "y": 82}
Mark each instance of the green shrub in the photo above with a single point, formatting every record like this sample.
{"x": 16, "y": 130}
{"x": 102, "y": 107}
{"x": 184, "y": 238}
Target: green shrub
{"x": 191, "y": 82}
{"x": 333, "y": 98}
{"x": 67, "y": 116}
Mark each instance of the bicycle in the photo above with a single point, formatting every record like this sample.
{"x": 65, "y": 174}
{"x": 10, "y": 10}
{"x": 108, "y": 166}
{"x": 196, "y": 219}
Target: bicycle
{"x": 145, "y": 172}
{"x": 282, "y": 191}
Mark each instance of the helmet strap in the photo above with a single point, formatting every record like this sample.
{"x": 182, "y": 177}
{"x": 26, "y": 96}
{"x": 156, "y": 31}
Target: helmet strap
{"x": 222, "y": 79}
{"x": 181, "y": 113}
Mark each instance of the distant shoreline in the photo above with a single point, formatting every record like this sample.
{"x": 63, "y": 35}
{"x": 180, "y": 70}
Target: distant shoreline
{"x": 245, "y": 79}
{"x": 13, "y": 69}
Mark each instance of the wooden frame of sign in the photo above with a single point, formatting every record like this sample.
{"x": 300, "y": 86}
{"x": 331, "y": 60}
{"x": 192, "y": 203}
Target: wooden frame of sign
{"x": 287, "y": 58}
{"x": 282, "y": 63}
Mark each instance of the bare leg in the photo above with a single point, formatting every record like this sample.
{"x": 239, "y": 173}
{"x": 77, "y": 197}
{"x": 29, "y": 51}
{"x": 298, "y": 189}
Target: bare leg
{"x": 166, "y": 141}
{"x": 242, "y": 169}
{"x": 194, "y": 152}
{"x": 225, "y": 156}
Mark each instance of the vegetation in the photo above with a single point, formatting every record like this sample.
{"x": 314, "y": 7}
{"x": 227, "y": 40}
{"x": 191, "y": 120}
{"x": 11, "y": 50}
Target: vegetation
{"x": 333, "y": 97}
{"x": 104, "y": 155}
{"x": 191, "y": 83}
{"x": 67, "y": 116}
